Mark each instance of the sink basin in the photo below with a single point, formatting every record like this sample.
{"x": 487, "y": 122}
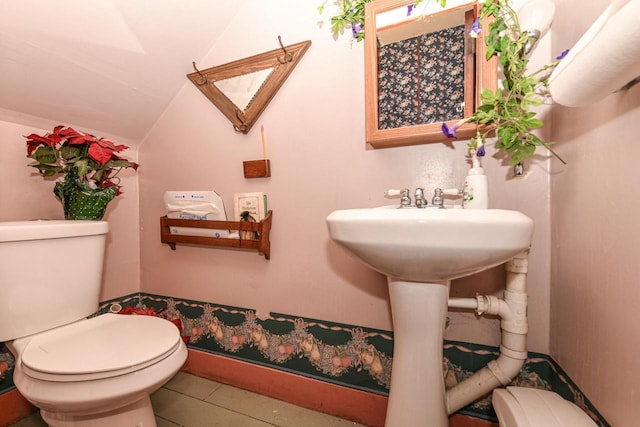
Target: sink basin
{"x": 420, "y": 251}
{"x": 431, "y": 245}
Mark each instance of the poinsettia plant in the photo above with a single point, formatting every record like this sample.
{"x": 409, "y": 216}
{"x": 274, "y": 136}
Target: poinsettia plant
{"x": 81, "y": 157}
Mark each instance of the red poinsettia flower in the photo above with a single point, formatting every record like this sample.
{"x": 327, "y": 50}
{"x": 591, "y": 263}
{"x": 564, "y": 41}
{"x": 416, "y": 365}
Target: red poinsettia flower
{"x": 102, "y": 150}
{"x": 89, "y": 159}
{"x": 100, "y": 153}
{"x": 74, "y": 137}
{"x": 49, "y": 140}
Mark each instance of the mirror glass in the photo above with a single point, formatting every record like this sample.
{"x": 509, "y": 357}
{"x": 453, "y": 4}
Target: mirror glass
{"x": 421, "y": 69}
{"x": 242, "y": 89}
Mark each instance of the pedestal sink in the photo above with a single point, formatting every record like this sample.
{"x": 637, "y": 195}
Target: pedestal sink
{"x": 421, "y": 251}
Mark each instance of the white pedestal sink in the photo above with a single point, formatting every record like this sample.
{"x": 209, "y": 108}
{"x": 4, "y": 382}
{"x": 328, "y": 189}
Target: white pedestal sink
{"x": 421, "y": 251}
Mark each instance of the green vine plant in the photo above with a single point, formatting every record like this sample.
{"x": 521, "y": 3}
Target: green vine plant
{"x": 350, "y": 16}
{"x": 508, "y": 110}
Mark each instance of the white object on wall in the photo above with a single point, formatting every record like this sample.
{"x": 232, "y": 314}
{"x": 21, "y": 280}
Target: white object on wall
{"x": 195, "y": 205}
{"x": 605, "y": 59}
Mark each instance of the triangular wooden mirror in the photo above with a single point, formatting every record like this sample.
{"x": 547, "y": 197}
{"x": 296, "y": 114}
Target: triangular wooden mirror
{"x": 242, "y": 89}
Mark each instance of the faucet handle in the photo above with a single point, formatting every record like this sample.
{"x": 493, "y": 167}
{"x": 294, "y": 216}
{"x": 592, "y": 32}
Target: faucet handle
{"x": 438, "y": 200}
{"x": 452, "y": 192}
{"x": 405, "y": 200}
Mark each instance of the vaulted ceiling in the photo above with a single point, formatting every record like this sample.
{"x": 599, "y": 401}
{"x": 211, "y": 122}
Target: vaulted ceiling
{"x": 108, "y": 65}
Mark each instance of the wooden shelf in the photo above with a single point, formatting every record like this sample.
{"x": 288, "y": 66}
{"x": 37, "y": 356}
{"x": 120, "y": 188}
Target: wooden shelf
{"x": 262, "y": 245}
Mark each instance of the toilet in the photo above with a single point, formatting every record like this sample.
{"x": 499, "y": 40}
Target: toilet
{"x": 530, "y": 407}
{"x": 79, "y": 371}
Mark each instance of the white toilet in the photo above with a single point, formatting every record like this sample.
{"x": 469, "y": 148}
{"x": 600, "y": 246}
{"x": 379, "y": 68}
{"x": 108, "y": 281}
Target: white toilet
{"x": 78, "y": 371}
{"x": 530, "y": 407}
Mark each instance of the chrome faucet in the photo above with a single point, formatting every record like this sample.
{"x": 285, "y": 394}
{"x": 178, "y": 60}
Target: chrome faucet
{"x": 421, "y": 202}
{"x": 437, "y": 200}
{"x": 405, "y": 200}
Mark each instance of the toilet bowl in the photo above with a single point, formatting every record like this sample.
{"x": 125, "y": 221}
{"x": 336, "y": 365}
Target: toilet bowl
{"x": 80, "y": 371}
{"x": 98, "y": 371}
{"x": 530, "y": 407}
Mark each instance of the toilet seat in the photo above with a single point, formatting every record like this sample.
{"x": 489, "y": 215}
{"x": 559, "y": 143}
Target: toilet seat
{"x": 101, "y": 347}
{"x": 530, "y": 407}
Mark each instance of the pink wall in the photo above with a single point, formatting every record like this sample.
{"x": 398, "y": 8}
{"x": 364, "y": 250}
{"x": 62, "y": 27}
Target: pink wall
{"x": 26, "y": 195}
{"x": 595, "y": 332}
{"x": 320, "y": 163}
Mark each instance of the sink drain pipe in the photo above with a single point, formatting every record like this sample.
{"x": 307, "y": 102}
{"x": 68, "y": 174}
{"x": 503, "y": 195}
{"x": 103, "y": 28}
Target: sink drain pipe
{"x": 512, "y": 310}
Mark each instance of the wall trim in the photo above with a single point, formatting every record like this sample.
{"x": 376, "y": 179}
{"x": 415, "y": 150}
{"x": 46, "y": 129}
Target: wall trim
{"x": 14, "y": 407}
{"x": 360, "y": 406}
{"x": 355, "y": 405}
{"x": 350, "y": 356}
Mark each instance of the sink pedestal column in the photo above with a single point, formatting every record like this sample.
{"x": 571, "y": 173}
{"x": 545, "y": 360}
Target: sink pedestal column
{"x": 417, "y": 394}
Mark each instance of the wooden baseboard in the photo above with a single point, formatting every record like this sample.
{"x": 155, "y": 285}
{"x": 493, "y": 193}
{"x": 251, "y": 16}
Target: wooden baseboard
{"x": 362, "y": 407}
{"x": 14, "y": 407}
{"x": 344, "y": 402}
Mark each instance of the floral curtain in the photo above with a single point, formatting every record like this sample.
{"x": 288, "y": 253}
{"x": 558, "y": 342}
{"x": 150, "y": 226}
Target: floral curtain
{"x": 421, "y": 80}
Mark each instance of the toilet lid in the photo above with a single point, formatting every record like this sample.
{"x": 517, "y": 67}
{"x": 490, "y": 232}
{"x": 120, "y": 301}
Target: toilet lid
{"x": 530, "y": 407}
{"x": 100, "y": 347}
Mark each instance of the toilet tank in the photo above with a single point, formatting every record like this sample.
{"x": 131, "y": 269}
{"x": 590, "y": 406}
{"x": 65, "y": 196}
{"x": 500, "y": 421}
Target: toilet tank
{"x": 50, "y": 274}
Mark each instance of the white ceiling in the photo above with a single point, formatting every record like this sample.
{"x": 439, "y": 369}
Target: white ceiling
{"x": 107, "y": 65}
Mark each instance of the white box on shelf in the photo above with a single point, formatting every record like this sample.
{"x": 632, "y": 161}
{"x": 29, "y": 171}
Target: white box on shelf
{"x": 195, "y": 205}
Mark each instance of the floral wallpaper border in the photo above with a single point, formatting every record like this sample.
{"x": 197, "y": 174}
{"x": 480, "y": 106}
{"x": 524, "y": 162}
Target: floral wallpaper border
{"x": 347, "y": 355}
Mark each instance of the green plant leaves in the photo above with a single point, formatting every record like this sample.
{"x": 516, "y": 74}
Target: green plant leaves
{"x": 520, "y": 92}
{"x": 351, "y": 17}
{"x": 69, "y": 152}
{"x": 44, "y": 155}
{"x": 82, "y": 167}
{"x": 48, "y": 170}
